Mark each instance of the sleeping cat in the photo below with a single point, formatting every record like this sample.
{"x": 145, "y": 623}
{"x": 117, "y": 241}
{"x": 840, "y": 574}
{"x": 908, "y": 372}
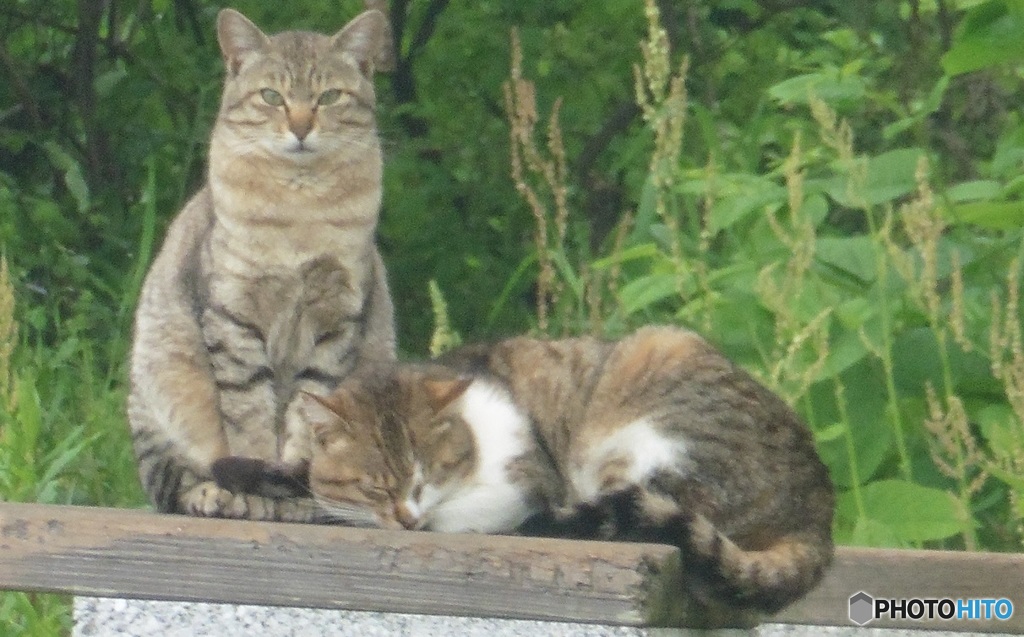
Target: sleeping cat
{"x": 656, "y": 437}
{"x": 269, "y": 281}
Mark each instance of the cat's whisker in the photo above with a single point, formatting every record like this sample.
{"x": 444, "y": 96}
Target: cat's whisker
{"x": 332, "y": 512}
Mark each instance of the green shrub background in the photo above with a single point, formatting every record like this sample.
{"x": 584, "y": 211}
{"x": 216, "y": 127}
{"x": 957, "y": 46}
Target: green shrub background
{"x": 830, "y": 191}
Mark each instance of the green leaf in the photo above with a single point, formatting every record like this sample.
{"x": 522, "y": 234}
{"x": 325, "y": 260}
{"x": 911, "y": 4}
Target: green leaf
{"x": 974, "y": 190}
{"x": 872, "y": 443}
{"x": 846, "y": 350}
{"x": 889, "y": 175}
{"x": 72, "y": 171}
{"x": 855, "y": 312}
{"x": 1013, "y": 481}
{"x": 66, "y": 452}
{"x": 741, "y": 196}
{"x": 830, "y": 85}
{"x": 854, "y": 255}
{"x": 106, "y": 82}
{"x": 990, "y": 35}
{"x": 868, "y": 532}
{"x": 919, "y": 110}
{"x": 911, "y": 512}
{"x": 989, "y": 214}
{"x": 830, "y": 433}
{"x": 646, "y": 212}
{"x": 641, "y": 293}
{"x": 641, "y": 251}
{"x": 569, "y": 275}
{"x": 999, "y": 427}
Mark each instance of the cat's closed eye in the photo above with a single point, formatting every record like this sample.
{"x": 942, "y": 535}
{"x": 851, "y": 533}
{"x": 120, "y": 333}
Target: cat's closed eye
{"x": 375, "y": 492}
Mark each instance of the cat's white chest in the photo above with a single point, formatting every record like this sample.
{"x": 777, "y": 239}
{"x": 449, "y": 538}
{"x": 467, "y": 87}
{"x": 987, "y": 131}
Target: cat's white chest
{"x": 489, "y": 501}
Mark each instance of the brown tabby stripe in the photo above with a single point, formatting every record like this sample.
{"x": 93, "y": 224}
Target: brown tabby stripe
{"x": 317, "y": 375}
{"x": 249, "y": 327}
{"x": 260, "y": 375}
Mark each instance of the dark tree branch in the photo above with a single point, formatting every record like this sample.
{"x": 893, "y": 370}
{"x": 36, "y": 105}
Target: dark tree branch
{"x": 602, "y": 197}
{"x": 186, "y": 16}
{"x": 83, "y": 75}
{"x": 947, "y": 23}
{"x": 427, "y": 26}
{"x": 671, "y": 21}
{"x": 399, "y": 14}
{"x": 915, "y": 27}
{"x": 621, "y": 117}
{"x": 112, "y": 16}
{"x": 21, "y": 88}
{"x": 403, "y": 81}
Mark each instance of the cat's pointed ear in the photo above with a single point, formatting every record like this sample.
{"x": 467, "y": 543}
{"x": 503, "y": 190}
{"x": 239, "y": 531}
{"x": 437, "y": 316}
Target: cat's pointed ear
{"x": 385, "y": 59}
{"x": 318, "y": 408}
{"x": 442, "y": 392}
{"x": 323, "y": 413}
{"x": 320, "y": 414}
{"x": 365, "y": 39}
{"x": 239, "y": 39}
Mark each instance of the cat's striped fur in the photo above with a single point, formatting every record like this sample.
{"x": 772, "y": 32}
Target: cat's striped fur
{"x": 669, "y": 441}
{"x": 656, "y": 437}
{"x": 269, "y": 280}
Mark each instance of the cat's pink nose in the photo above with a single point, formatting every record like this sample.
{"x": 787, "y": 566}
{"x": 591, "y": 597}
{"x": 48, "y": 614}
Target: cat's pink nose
{"x": 406, "y": 517}
{"x": 300, "y": 122}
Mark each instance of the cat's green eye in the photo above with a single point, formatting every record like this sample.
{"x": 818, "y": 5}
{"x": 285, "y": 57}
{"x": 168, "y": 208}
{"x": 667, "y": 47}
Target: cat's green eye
{"x": 272, "y": 97}
{"x": 328, "y": 97}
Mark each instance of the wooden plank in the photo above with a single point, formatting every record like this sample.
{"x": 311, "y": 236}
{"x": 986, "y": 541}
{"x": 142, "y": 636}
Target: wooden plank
{"x": 906, "y": 574}
{"x": 137, "y": 554}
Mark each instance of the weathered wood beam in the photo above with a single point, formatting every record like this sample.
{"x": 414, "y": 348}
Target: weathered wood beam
{"x": 908, "y": 574}
{"x": 137, "y": 554}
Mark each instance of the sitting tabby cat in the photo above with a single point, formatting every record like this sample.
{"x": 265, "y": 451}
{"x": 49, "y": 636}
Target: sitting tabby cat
{"x": 269, "y": 281}
{"x": 656, "y": 437}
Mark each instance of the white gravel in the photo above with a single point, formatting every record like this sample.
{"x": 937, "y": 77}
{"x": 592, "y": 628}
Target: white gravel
{"x": 102, "y": 617}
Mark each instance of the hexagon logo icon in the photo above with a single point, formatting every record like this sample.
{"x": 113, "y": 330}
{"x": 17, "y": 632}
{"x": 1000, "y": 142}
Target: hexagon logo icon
{"x": 862, "y": 607}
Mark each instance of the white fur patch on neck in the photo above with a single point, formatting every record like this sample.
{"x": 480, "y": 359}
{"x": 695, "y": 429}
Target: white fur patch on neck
{"x": 638, "y": 450}
{"x": 488, "y": 502}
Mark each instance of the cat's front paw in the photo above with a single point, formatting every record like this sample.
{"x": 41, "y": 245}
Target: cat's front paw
{"x": 297, "y": 510}
{"x": 206, "y": 499}
{"x": 209, "y": 500}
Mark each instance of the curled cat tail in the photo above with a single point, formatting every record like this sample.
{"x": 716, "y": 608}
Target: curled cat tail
{"x": 717, "y": 571}
{"x": 766, "y": 579}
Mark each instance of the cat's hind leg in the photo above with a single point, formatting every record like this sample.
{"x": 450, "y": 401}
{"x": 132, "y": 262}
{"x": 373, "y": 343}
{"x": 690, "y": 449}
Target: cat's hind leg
{"x": 584, "y": 521}
{"x": 718, "y": 571}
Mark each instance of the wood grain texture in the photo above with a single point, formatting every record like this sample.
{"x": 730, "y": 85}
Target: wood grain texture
{"x": 906, "y": 574}
{"x": 137, "y": 554}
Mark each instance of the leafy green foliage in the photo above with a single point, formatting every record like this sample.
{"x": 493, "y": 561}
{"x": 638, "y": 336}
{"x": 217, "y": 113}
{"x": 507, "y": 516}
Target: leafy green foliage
{"x": 846, "y": 281}
{"x": 834, "y": 200}
{"x": 988, "y": 37}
